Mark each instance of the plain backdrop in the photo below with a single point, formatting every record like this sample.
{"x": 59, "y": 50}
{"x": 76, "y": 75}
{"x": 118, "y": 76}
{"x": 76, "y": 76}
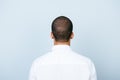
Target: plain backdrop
{"x": 25, "y": 27}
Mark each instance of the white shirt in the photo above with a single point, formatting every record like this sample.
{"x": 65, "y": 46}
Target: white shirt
{"x": 62, "y": 64}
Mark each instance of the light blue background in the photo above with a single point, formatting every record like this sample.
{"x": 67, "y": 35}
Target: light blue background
{"x": 25, "y": 34}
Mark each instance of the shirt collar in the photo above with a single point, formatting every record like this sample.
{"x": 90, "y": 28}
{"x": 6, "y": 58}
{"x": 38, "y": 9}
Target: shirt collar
{"x": 61, "y": 48}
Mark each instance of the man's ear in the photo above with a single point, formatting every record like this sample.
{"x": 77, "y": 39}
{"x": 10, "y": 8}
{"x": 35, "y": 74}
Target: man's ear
{"x": 52, "y": 36}
{"x": 72, "y": 35}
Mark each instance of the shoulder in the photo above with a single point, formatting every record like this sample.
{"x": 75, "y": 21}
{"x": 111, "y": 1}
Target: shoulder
{"x": 80, "y": 58}
{"x": 41, "y": 59}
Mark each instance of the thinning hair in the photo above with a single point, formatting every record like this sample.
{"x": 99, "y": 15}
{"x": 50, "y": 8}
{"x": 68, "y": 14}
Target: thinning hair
{"x": 62, "y": 28}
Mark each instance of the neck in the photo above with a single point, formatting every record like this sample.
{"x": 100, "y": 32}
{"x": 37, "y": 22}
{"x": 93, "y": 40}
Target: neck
{"x": 62, "y": 43}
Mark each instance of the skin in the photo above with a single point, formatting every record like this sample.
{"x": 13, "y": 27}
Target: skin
{"x": 62, "y": 43}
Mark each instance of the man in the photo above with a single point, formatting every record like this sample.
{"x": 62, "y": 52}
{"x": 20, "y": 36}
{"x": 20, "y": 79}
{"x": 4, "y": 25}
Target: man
{"x": 62, "y": 63}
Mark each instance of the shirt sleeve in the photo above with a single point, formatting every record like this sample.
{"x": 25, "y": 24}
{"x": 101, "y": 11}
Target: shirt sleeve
{"x": 93, "y": 75}
{"x": 32, "y": 73}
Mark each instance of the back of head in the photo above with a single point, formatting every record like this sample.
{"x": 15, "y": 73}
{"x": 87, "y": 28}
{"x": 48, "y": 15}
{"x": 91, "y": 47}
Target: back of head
{"x": 62, "y": 29}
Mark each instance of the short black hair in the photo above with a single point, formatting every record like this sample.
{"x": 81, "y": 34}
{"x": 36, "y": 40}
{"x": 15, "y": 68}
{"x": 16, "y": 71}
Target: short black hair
{"x": 62, "y": 28}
